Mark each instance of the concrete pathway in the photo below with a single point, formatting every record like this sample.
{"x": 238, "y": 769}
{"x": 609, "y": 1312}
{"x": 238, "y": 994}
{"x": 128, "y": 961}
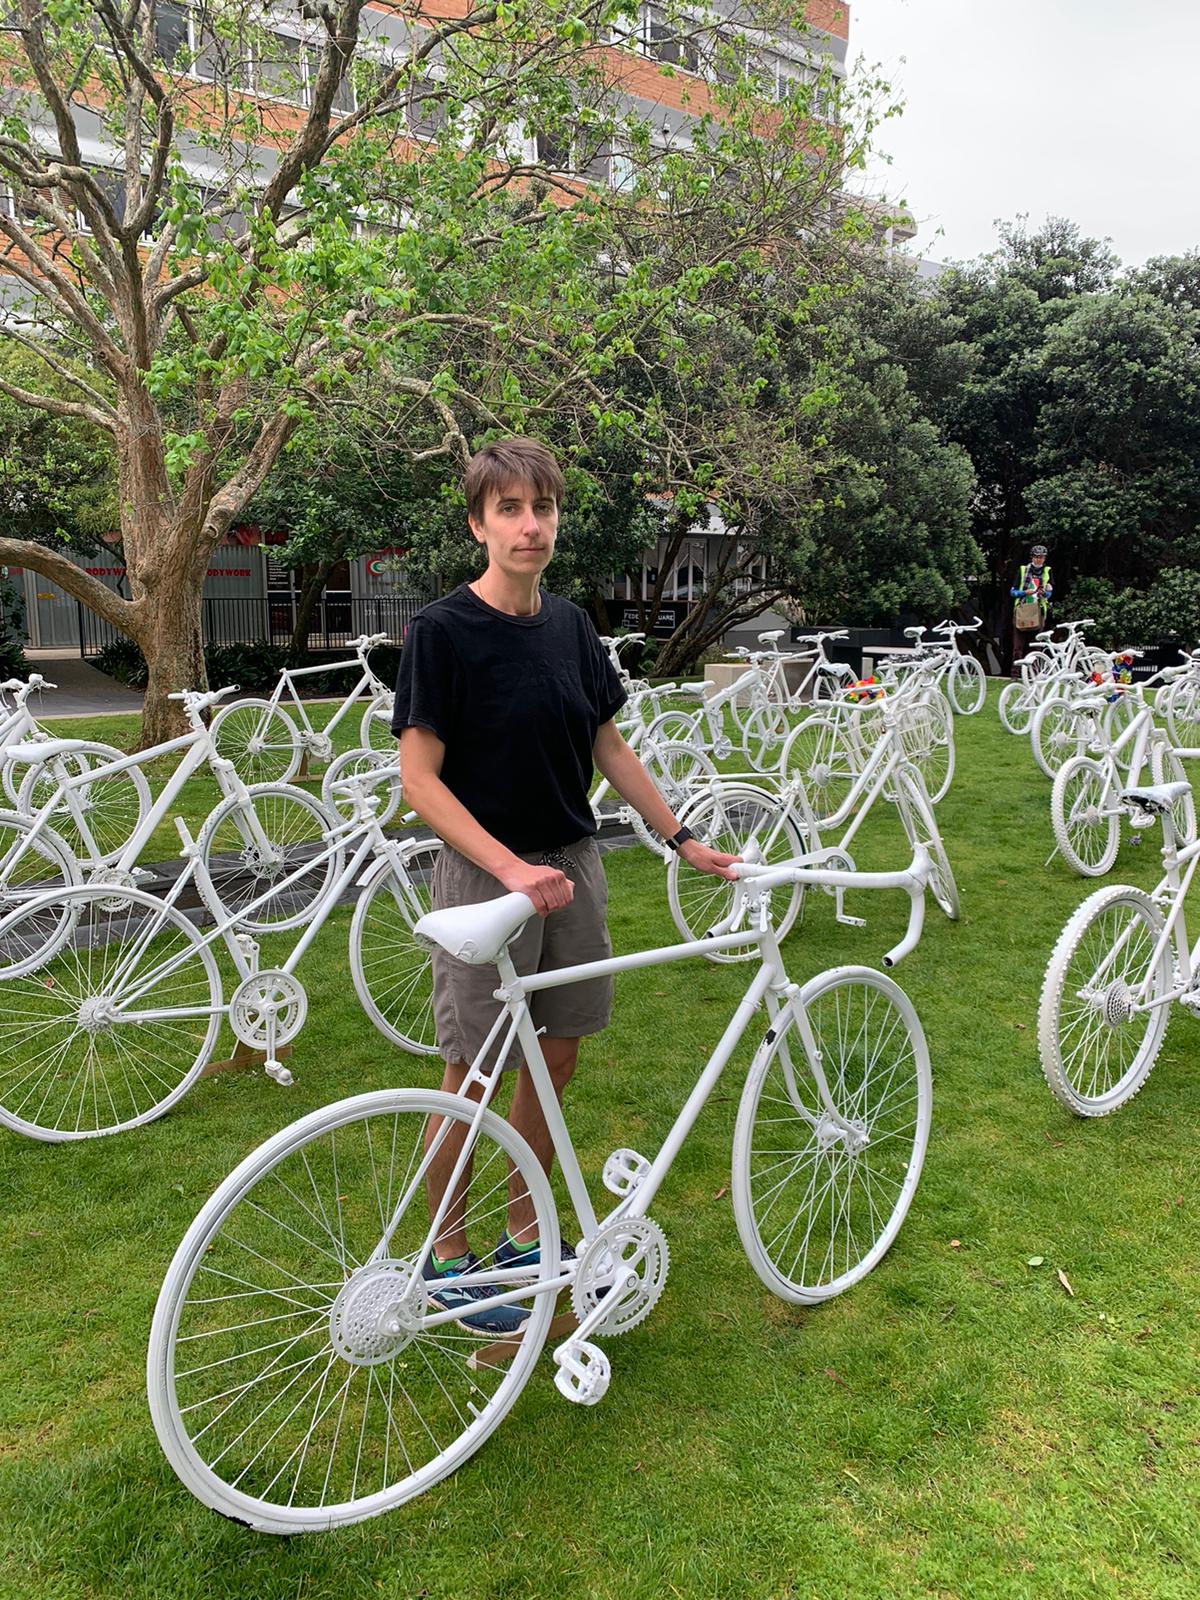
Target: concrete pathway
{"x": 81, "y": 692}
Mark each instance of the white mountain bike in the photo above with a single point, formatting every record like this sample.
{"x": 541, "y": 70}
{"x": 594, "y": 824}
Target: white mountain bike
{"x": 303, "y": 1372}
{"x": 1121, "y": 963}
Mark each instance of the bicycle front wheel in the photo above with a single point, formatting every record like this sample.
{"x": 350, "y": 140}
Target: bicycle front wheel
{"x": 294, "y": 1381}
{"x": 966, "y": 685}
{"x": 34, "y": 866}
{"x": 1104, "y": 1010}
{"x": 267, "y": 858}
{"x": 1084, "y": 817}
{"x": 819, "y": 1197}
{"x": 732, "y": 819}
{"x": 393, "y": 974}
{"x": 1057, "y": 734}
{"x": 97, "y": 817}
{"x": 115, "y": 1026}
{"x": 1016, "y": 707}
{"x": 375, "y": 729}
{"x": 1183, "y": 713}
{"x": 765, "y": 730}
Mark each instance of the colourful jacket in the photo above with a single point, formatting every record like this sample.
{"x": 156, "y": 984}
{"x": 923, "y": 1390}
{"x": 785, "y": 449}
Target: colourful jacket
{"x": 1034, "y": 585}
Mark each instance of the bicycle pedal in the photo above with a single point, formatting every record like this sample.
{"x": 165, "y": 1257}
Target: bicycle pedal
{"x": 281, "y": 1075}
{"x": 624, "y": 1171}
{"x": 583, "y": 1372}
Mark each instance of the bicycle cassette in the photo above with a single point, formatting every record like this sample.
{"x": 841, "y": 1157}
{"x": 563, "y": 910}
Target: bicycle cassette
{"x": 266, "y": 998}
{"x": 627, "y": 1244}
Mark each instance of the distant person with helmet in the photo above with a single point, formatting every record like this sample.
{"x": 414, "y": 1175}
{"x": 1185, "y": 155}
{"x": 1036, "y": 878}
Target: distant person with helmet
{"x": 1031, "y": 602}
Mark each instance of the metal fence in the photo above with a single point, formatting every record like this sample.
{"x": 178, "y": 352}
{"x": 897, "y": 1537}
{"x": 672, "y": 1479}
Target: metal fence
{"x": 270, "y": 621}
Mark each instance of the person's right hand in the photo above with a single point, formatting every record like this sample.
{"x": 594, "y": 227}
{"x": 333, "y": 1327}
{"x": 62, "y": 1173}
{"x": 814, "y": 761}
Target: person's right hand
{"x": 548, "y": 888}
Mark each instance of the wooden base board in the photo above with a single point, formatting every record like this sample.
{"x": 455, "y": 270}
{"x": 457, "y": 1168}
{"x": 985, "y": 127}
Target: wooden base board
{"x": 243, "y": 1056}
{"x": 501, "y": 1351}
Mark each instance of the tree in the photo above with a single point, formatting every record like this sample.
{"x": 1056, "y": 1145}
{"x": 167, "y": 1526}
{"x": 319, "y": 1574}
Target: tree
{"x": 891, "y": 531}
{"x": 242, "y": 261}
{"x": 57, "y": 475}
{"x": 1005, "y": 305}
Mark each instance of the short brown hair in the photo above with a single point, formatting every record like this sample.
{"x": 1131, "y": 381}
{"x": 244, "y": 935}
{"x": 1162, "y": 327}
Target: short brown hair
{"x": 492, "y": 468}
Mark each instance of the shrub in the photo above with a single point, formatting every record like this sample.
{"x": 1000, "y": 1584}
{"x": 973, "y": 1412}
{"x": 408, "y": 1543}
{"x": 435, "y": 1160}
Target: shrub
{"x": 124, "y": 661}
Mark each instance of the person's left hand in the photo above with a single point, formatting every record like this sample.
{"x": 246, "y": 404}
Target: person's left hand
{"x": 715, "y": 862}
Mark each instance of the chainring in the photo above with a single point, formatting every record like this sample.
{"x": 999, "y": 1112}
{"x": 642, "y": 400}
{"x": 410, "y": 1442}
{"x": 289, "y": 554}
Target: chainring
{"x": 623, "y": 1243}
{"x": 260, "y": 997}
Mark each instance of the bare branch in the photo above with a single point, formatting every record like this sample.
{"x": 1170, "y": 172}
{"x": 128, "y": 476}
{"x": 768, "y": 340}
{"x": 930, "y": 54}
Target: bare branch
{"x": 49, "y": 357}
{"x": 82, "y": 585}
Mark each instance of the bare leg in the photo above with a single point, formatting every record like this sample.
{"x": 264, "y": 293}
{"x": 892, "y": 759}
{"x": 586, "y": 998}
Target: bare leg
{"x": 452, "y": 1236}
{"x": 525, "y": 1114}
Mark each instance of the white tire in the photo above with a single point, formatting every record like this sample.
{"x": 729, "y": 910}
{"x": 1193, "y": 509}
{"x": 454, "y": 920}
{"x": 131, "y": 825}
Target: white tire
{"x": 1102, "y": 1014}
{"x": 281, "y": 1394}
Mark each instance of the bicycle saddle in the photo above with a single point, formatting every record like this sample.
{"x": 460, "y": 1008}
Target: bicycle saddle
{"x": 769, "y": 638}
{"x": 476, "y": 933}
{"x": 1156, "y": 797}
{"x": 43, "y": 749}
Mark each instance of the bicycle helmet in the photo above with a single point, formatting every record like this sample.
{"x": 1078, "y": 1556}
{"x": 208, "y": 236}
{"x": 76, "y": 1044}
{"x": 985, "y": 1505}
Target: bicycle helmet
{"x": 1038, "y": 550}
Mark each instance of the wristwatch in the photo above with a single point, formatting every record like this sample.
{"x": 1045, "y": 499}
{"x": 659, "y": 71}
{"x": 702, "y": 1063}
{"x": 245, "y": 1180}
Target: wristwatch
{"x": 679, "y": 838}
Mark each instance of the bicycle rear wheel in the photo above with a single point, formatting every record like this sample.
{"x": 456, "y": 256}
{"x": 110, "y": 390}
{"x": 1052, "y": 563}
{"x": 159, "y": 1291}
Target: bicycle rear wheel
{"x": 260, "y": 739}
{"x": 1166, "y": 767}
{"x": 1058, "y": 733}
{"x": 1183, "y": 713}
{"x": 115, "y": 1026}
{"x": 927, "y": 738}
{"x": 293, "y": 1381}
{"x": 1102, "y": 1015}
{"x": 1016, "y": 707}
{"x": 253, "y": 845}
{"x": 819, "y": 1200}
{"x": 393, "y": 974}
{"x": 821, "y": 753}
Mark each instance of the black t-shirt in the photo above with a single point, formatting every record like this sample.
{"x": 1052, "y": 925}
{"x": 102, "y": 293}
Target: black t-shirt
{"x": 517, "y": 702}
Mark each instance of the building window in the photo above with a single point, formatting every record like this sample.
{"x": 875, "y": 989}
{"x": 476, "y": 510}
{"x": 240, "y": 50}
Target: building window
{"x": 278, "y": 65}
{"x": 426, "y": 109}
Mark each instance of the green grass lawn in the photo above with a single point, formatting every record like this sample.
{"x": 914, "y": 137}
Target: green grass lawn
{"x": 957, "y": 1425}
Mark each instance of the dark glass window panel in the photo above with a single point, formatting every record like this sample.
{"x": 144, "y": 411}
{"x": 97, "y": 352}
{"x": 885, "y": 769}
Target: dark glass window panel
{"x": 280, "y": 68}
{"x": 170, "y": 30}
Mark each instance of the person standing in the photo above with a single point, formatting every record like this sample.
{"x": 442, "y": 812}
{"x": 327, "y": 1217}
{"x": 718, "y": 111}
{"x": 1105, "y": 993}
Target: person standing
{"x": 504, "y": 703}
{"x": 1031, "y": 602}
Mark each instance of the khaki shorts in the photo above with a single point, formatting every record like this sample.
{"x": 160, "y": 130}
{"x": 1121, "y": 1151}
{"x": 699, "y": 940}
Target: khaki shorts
{"x": 464, "y": 1007}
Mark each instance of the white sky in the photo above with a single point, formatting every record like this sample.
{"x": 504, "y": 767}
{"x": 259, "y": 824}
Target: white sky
{"x": 1088, "y": 109}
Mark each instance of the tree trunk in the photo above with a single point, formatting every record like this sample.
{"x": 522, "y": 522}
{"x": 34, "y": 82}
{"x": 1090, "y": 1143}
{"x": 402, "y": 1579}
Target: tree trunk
{"x": 310, "y": 592}
{"x": 173, "y": 646}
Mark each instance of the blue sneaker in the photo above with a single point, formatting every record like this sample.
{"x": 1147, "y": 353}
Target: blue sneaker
{"x": 502, "y": 1322}
{"x": 508, "y": 1253}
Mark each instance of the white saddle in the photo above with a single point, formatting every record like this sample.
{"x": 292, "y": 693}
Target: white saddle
{"x": 476, "y": 933}
{"x": 1157, "y": 797}
{"x": 43, "y": 749}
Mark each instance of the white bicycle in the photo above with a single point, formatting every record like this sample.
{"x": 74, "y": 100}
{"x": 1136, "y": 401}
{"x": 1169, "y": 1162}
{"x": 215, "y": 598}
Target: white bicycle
{"x": 1086, "y": 799}
{"x": 302, "y": 1371}
{"x": 267, "y": 743}
{"x": 1121, "y": 963}
{"x": 108, "y": 1023}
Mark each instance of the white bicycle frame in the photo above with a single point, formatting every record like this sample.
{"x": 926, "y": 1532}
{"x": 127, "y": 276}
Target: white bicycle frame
{"x": 197, "y": 749}
{"x": 371, "y": 853}
{"x": 770, "y": 985}
{"x": 369, "y": 684}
